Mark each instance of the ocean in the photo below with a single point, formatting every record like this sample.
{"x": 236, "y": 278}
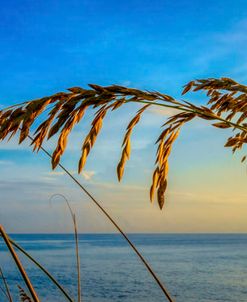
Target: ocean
{"x": 193, "y": 267}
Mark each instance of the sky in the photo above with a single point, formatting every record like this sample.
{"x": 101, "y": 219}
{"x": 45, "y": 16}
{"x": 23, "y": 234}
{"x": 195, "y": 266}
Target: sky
{"x": 48, "y": 46}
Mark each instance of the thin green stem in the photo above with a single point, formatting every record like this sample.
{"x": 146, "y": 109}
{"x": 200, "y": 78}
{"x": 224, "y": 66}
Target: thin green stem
{"x": 77, "y": 260}
{"x": 42, "y": 269}
{"x": 184, "y": 108}
{"x": 131, "y": 244}
{"x": 73, "y": 216}
{"x": 19, "y": 265}
{"x": 5, "y": 294}
{"x": 6, "y": 286}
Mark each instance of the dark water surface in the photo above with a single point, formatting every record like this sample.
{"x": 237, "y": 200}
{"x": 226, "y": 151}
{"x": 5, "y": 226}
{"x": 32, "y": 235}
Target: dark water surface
{"x": 194, "y": 268}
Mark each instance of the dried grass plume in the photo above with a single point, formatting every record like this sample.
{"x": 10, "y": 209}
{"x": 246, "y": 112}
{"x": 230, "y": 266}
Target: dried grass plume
{"x": 226, "y": 109}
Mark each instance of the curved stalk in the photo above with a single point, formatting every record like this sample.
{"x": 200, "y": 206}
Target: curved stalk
{"x": 131, "y": 244}
{"x": 70, "y": 116}
{"x": 184, "y": 108}
{"x": 73, "y": 216}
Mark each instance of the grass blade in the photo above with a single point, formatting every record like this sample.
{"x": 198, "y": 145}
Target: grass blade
{"x": 19, "y": 265}
{"x": 54, "y": 281}
{"x": 7, "y": 292}
{"x": 73, "y": 216}
{"x": 131, "y": 244}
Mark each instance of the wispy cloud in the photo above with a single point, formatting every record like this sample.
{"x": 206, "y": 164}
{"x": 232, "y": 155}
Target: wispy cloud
{"x": 119, "y": 187}
{"x": 59, "y": 173}
{"x": 86, "y": 174}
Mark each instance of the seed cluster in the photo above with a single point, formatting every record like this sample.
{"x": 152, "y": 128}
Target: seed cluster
{"x": 227, "y": 107}
{"x": 23, "y": 295}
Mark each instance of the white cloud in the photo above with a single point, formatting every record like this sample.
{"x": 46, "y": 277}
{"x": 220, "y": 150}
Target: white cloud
{"x": 59, "y": 173}
{"x": 88, "y": 175}
{"x": 120, "y": 188}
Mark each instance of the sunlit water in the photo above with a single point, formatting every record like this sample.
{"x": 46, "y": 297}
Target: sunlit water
{"x": 194, "y": 268}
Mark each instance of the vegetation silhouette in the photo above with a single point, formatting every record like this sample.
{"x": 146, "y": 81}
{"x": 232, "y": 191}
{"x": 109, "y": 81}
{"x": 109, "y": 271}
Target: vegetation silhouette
{"x": 226, "y": 109}
{"x": 226, "y": 106}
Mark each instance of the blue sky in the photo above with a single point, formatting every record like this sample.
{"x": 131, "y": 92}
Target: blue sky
{"x": 48, "y": 46}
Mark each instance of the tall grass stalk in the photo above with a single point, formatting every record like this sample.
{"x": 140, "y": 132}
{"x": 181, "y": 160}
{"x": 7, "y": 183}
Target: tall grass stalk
{"x": 19, "y": 265}
{"x": 131, "y": 244}
{"x": 41, "y": 267}
{"x": 73, "y": 216}
{"x": 6, "y": 291}
{"x": 226, "y": 108}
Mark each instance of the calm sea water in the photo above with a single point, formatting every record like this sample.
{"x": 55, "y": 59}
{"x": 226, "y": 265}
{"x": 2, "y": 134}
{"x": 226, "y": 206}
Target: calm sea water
{"x": 194, "y": 268}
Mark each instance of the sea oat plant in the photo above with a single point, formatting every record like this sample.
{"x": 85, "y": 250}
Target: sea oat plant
{"x": 226, "y": 108}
